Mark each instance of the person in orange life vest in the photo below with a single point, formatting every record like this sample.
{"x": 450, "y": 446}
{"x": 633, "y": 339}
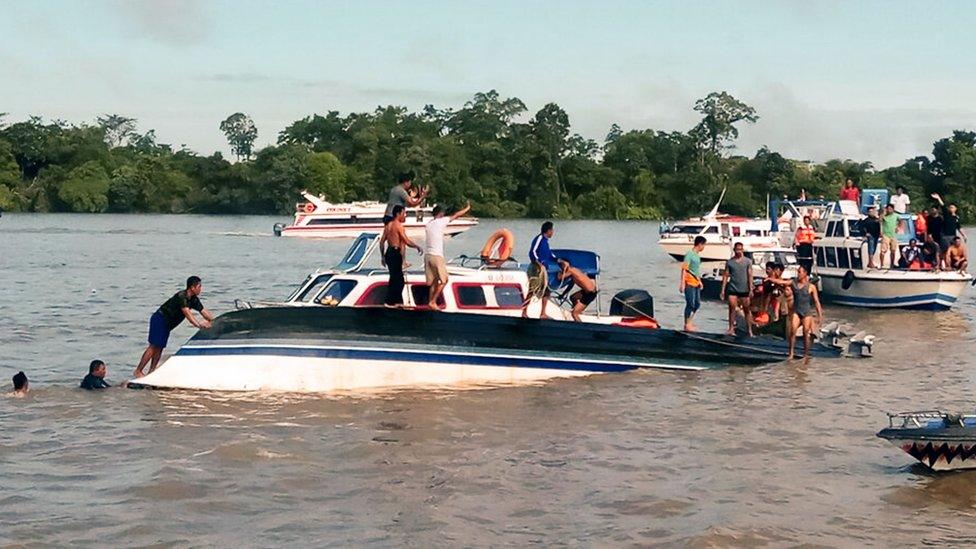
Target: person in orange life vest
{"x": 921, "y": 224}
{"x": 803, "y": 242}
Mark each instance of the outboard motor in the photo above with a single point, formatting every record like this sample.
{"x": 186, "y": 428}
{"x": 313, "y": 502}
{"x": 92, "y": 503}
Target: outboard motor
{"x": 632, "y": 303}
{"x": 277, "y": 228}
{"x": 861, "y": 345}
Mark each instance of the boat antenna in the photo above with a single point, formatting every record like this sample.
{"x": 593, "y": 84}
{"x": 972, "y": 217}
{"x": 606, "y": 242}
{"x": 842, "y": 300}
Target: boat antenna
{"x": 717, "y": 204}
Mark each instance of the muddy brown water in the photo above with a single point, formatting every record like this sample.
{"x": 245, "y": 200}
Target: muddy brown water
{"x": 777, "y": 455}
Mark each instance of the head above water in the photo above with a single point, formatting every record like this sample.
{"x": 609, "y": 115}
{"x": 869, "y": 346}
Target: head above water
{"x": 97, "y": 368}
{"x": 547, "y": 229}
{"x": 20, "y": 382}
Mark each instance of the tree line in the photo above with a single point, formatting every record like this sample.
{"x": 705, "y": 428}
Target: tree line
{"x": 489, "y": 151}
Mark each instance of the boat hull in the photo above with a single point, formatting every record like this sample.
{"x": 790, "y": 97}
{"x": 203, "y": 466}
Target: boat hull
{"x": 895, "y": 289}
{"x": 414, "y": 230}
{"x": 325, "y": 349}
{"x": 937, "y": 449}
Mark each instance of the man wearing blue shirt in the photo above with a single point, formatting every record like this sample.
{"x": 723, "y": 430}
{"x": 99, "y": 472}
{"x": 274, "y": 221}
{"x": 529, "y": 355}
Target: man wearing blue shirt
{"x": 540, "y": 257}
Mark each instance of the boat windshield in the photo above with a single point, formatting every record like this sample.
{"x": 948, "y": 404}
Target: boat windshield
{"x": 686, "y": 229}
{"x": 854, "y": 228}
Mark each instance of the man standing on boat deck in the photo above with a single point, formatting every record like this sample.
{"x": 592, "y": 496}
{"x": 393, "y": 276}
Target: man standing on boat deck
{"x": 951, "y": 226}
{"x": 434, "y": 265}
{"x": 170, "y": 315}
{"x": 803, "y": 241}
{"x": 738, "y": 271}
{"x": 540, "y": 257}
{"x": 901, "y": 201}
{"x": 871, "y": 228}
{"x": 889, "y": 236}
{"x": 690, "y": 284}
{"x": 393, "y": 248}
{"x": 400, "y": 196}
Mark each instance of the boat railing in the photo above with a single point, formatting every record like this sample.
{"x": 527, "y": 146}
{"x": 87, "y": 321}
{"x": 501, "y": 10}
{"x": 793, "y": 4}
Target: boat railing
{"x": 910, "y": 420}
{"x": 480, "y": 264}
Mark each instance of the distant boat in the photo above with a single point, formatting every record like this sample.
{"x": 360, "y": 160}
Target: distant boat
{"x": 317, "y": 218}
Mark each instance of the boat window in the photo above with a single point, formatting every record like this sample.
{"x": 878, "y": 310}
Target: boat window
{"x": 736, "y": 231}
{"x": 854, "y": 228}
{"x": 470, "y": 296}
{"x": 843, "y": 260}
{"x": 820, "y": 257}
{"x": 421, "y": 295}
{"x": 856, "y": 258}
{"x": 755, "y": 232}
{"x": 294, "y": 295}
{"x": 786, "y": 258}
{"x": 337, "y": 289}
{"x": 508, "y": 297}
{"x": 838, "y": 229}
{"x": 313, "y": 289}
{"x": 686, "y": 229}
{"x": 830, "y": 229}
{"x": 832, "y": 257}
{"x": 375, "y": 295}
{"x": 711, "y": 230}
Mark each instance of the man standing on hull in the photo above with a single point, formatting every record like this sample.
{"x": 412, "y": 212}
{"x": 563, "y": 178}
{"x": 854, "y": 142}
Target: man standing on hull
{"x": 737, "y": 278}
{"x": 393, "y": 248}
{"x": 434, "y": 265}
{"x": 170, "y": 315}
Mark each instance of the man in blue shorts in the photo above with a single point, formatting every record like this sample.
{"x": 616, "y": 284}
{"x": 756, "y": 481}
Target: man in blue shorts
{"x": 170, "y": 315}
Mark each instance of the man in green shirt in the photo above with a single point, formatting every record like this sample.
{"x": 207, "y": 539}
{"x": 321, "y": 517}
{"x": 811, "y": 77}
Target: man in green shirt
{"x": 690, "y": 283}
{"x": 889, "y": 235}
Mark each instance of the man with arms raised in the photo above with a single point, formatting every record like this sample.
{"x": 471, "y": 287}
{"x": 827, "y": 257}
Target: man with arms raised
{"x": 171, "y": 314}
{"x": 400, "y": 196}
{"x": 435, "y": 267}
{"x": 587, "y": 287}
{"x": 393, "y": 248}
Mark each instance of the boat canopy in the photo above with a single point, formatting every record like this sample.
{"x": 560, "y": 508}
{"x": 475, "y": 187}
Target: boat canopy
{"x": 360, "y": 251}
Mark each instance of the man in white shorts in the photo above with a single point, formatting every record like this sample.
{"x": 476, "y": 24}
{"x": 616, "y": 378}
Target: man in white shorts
{"x": 434, "y": 265}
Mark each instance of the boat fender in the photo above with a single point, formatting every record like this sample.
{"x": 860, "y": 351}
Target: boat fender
{"x": 309, "y": 207}
{"x": 848, "y": 280}
{"x": 505, "y": 241}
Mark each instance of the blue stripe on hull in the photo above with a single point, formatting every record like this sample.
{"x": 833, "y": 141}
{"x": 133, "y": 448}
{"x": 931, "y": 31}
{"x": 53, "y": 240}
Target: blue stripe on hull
{"x": 925, "y": 302}
{"x": 420, "y": 356}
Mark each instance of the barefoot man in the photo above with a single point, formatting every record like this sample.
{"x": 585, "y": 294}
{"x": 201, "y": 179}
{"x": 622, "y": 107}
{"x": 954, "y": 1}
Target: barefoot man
{"x": 690, "y": 284}
{"x": 582, "y": 298}
{"x": 393, "y": 248}
{"x": 170, "y": 315}
{"x": 737, "y": 279}
{"x": 434, "y": 265}
{"x": 955, "y": 257}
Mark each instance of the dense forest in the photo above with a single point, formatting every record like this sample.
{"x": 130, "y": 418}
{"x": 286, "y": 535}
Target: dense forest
{"x": 490, "y": 151}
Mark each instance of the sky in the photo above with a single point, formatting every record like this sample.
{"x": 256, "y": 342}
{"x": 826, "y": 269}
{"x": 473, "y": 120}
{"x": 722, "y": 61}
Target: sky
{"x": 874, "y": 81}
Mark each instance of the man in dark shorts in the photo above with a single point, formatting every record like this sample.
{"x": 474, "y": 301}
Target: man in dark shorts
{"x": 737, "y": 279}
{"x": 400, "y": 196}
{"x": 96, "y": 376}
{"x": 393, "y": 248}
{"x": 931, "y": 253}
{"x": 951, "y": 226}
{"x": 170, "y": 315}
{"x": 587, "y": 292}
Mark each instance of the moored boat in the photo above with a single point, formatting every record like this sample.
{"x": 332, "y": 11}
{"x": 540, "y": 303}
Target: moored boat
{"x": 940, "y": 440}
{"x": 317, "y": 218}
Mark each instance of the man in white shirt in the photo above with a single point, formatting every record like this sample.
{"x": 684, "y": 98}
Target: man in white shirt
{"x": 434, "y": 265}
{"x": 900, "y": 201}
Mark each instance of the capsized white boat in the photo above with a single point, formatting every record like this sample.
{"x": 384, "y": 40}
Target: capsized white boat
{"x": 317, "y": 218}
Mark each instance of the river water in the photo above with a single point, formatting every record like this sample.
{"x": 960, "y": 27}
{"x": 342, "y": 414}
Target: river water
{"x": 776, "y": 455}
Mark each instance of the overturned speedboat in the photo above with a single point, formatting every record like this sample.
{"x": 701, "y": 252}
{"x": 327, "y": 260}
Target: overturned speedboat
{"x": 942, "y": 441}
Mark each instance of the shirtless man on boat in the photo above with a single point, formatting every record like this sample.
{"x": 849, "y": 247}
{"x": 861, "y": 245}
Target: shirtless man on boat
{"x": 955, "y": 257}
{"x": 582, "y": 298}
{"x": 393, "y": 248}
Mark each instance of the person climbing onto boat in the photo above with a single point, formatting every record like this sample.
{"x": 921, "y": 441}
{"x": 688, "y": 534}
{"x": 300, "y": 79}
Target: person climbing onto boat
{"x": 871, "y": 227}
{"x": 955, "y": 257}
{"x": 951, "y": 226}
{"x": 21, "y": 385}
{"x": 803, "y": 242}
{"x": 587, "y": 292}
{"x": 690, "y": 283}
{"x": 806, "y": 302}
{"x": 850, "y": 191}
{"x": 737, "y": 279}
{"x": 931, "y": 253}
{"x": 435, "y": 267}
{"x": 400, "y": 196}
{"x": 889, "y": 236}
{"x": 393, "y": 250}
{"x": 900, "y": 200}
{"x": 911, "y": 256}
{"x": 540, "y": 257}
{"x": 170, "y": 315}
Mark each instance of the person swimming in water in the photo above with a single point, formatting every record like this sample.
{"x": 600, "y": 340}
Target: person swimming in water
{"x": 21, "y": 385}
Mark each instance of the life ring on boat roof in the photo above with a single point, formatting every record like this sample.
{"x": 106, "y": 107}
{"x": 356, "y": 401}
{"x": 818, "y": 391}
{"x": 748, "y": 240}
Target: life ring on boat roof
{"x": 505, "y": 241}
{"x": 309, "y": 207}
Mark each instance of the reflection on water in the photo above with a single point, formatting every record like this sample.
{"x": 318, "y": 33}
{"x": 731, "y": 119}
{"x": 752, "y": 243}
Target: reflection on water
{"x": 777, "y": 455}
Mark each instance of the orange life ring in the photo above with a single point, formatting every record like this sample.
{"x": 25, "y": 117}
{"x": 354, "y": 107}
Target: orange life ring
{"x": 309, "y": 207}
{"x": 648, "y": 323}
{"x": 507, "y": 243}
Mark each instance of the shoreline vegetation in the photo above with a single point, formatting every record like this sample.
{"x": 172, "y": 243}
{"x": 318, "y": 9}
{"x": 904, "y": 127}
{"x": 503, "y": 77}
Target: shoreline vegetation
{"x": 490, "y": 151}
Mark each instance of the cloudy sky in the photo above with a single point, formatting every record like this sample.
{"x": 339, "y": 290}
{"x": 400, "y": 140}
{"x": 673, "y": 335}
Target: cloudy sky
{"x": 876, "y": 81}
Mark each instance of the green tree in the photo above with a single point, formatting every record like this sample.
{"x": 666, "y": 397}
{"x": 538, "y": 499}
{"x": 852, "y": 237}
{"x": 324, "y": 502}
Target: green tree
{"x": 241, "y": 134}
{"x": 721, "y": 112}
{"x": 85, "y": 189}
{"x": 118, "y": 129}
